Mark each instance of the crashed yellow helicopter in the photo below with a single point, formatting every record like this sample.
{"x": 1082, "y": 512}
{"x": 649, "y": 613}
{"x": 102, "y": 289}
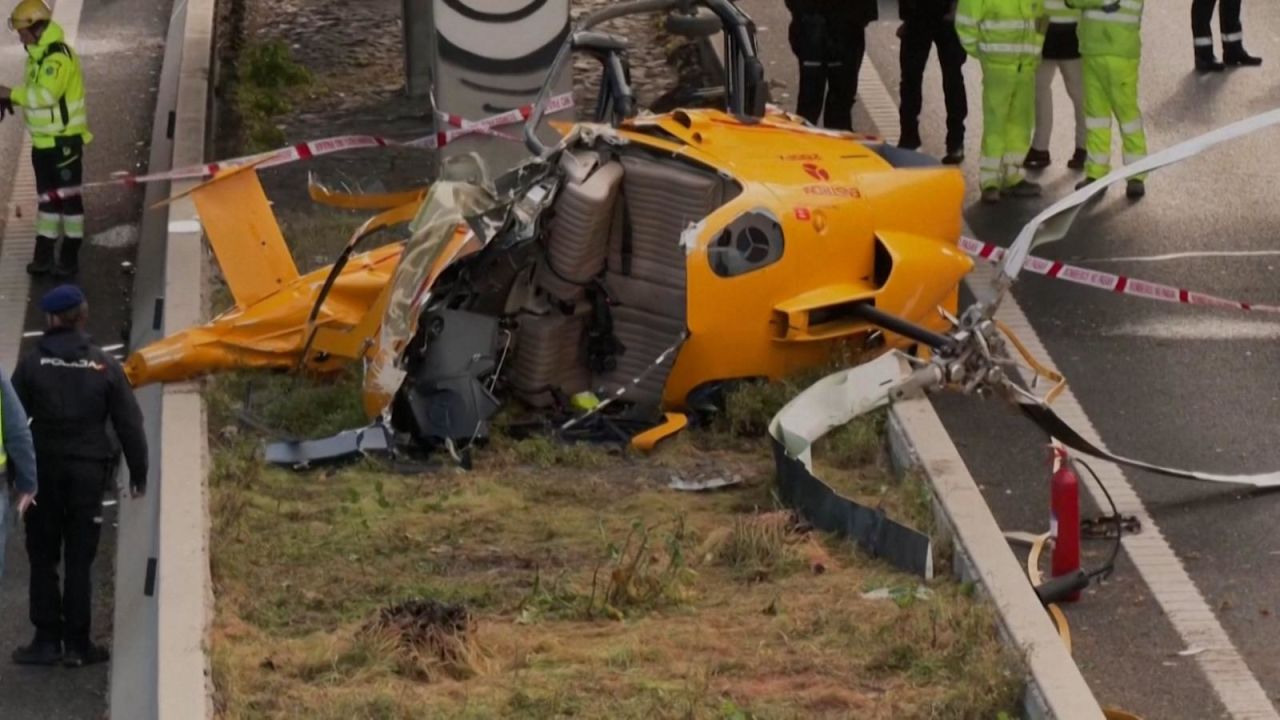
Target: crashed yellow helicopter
{"x": 644, "y": 259}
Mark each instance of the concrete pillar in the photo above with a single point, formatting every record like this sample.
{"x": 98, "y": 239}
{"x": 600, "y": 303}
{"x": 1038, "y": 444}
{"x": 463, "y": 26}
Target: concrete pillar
{"x": 489, "y": 56}
{"x": 418, "y": 37}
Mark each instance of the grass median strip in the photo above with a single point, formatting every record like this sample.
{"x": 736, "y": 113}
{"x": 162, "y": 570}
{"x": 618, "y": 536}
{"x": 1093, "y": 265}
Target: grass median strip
{"x": 557, "y": 581}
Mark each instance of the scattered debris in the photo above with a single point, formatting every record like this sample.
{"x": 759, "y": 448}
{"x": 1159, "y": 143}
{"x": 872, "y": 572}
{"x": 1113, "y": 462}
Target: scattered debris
{"x": 704, "y": 483}
{"x": 899, "y": 594}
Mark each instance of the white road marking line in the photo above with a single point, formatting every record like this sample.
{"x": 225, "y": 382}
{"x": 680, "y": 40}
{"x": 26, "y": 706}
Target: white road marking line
{"x": 1180, "y": 327}
{"x": 19, "y": 239}
{"x": 1184, "y": 256}
{"x": 120, "y": 236}
{"x": 1192, "y": 618}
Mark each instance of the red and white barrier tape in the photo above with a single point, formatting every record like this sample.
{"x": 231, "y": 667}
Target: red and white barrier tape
{"x": 328, "y": 146}
{"x": 1107, "y": 281}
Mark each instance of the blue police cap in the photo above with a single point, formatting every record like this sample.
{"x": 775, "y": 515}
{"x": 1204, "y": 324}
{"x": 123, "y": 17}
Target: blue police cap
{"x": 61, "y": 299}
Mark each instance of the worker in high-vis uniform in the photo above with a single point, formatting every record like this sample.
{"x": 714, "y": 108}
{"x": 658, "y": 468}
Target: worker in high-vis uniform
{"x": 1233, "y": 52}
{"x": 1006, "y": 36}
{"x": 1111, "y": 44}
{"x": 1061, "y": 55}
{"x": 52, "y": 102}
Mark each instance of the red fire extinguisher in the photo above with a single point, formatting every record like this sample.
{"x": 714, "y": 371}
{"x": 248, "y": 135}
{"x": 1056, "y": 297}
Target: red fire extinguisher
{"x": 1064, "y": 525}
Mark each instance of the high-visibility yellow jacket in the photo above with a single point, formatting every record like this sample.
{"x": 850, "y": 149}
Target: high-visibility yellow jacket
{"x": 1002, "y": 31}
{"x": 1115, "y": 31}
{"x": 52, "y": 97}
{"x": 1060, "y": 13}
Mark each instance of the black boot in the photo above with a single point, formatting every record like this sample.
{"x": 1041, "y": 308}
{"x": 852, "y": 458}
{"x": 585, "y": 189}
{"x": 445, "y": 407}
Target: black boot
{"x": 69, "y": 258}
{"x": 1205, "y": 60}
{"x": 1036, "y": 159}
{"x": 82, "y": 654}
{"x": 1078, "y": 159}
{"x": 909, "y": 139}
{"x": 39, "y": 652}
{"x": 42, "y": 263}
{"x": 1233, "y": 54}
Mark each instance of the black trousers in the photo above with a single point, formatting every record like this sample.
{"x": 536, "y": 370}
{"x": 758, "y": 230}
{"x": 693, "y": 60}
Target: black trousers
{"x": 57, "y": 168}
{"x": 830, "y": 58}
{"x": 918, "y": 39}
{"x": 1228, "y": 19}
{"x": 65, "y": 525}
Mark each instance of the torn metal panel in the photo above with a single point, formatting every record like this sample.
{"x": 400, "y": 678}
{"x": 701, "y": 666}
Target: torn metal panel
{"x": 827, "y": 404}
{"x": 875, "y": 532}
{"x": 376, "y": 439}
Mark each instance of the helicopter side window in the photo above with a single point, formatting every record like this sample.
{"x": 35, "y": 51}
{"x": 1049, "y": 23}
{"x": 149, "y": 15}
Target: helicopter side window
{"x": 751, "y": 242}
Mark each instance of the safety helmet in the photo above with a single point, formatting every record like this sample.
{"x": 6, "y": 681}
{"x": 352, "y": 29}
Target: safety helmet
{"x": 28, "y": 13}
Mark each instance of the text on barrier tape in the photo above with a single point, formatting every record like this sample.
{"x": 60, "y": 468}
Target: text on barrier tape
{"x": 328, "y": 146}
{"x": 1107, "y": 281}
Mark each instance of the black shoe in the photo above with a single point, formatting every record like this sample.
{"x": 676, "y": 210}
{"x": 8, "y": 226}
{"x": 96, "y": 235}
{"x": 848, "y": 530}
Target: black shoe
{"x": 1235, "y": 55}
{"x": 1036, "y": 159}
{"x": 88, "y": 654}
{"x": 1078, "y": 159}
{"x": 1207, "y": 63}
{"x": 909, "y": 141}
{"x": 954, "y": 156}
{"x": 39, "y": 652}
{"x": 1135, "y": 189}
{"x": 61, "y": 271}
{"x": 39, "y": 268}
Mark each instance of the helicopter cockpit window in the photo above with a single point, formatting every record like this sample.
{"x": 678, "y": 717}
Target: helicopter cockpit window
{"x": 749, "y": 243}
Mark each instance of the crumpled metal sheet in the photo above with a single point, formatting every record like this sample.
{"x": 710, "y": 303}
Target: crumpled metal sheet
{"x": 829, "y": 403}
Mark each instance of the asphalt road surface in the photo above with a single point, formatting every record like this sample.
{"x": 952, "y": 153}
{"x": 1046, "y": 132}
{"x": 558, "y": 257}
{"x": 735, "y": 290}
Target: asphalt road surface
{"x": 1179, "y": 386}
{"x": 121, "y": 43}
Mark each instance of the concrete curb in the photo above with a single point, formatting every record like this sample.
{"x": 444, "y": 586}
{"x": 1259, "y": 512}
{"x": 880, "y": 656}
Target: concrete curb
{"x": 1056, "y": 689}
{"x": 185, "y": 588}
{"x": 161, "y": 664}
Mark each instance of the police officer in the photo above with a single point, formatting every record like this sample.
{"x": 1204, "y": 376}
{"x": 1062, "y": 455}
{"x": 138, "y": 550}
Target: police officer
{"x": 71, "y": 390}
{"x": 1232, "y": 35}
{"x": 52, "y": 100}
{"x": 926, "y": 23}
{"x": 1007, "y": 37}
{"x": 829, "y": 40}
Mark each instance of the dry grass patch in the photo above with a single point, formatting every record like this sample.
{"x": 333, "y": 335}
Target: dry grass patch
{"x": 566, "y": 582}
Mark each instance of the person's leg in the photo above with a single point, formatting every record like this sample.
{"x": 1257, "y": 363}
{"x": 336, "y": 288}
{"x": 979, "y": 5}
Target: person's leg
{"x": 1018, "y": 127}
{"x": 44, "y": 550}
{"x": 997, "y": 90}
{"x": 1044, "y": 104}
{"x": 951, "y": 57}
{"x": 82, "y": 530}
{"x": 1202, "y": 35}
{"x": 806, "y": 36}
{"x": 1233, "y": 52}
{"x": 1097, "y": 117}
{"x": 1073, "y": 77}
{"x": 70, "y": 172}
{"x": 44, "y": 162}
{"x": 912, "y": 58}
{"x": 1124, "y": 100}
{"x": 842, "y": 80}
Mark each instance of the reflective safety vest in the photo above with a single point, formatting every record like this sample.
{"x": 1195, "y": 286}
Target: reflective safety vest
{"x": 1117, "y": 33}
{"x": 1001, "y": 31}
{"x": 1060, "y": 14}
{"x": 52, "y": 97}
